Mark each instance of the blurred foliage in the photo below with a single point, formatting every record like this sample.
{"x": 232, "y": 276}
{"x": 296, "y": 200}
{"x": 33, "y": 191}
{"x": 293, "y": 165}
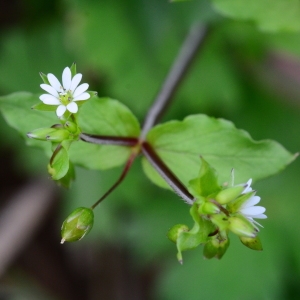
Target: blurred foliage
{"x": 124, "y": 49}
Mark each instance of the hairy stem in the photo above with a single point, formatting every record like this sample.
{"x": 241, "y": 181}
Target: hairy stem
{"x": 186, "y": 54}
{"x": 109, "y": 140}
{"x": 166, "y": 173}
{"x": 121, "y": 178}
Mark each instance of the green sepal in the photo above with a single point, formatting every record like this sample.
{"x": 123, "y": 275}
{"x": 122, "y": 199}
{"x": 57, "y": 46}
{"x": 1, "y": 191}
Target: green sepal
{"x": 229, "y": 194}
{"x": 206, "y": 183}
{"x": 44, "y": 107}
{"x": 77, "y": 224}
{"x": 208, "y": 208}
{"x": 44, "y": 78}
{"x": 235, "y": 205}
{"x": 66, "y": 181}
{"x": 252, "y": 243}
{"x": 197, "y": 235}
{"x": 59, "y": 162}
{"x": 174, "y": 232}
{"x": 73, "y": 69}
{"x": 241, "y": 226}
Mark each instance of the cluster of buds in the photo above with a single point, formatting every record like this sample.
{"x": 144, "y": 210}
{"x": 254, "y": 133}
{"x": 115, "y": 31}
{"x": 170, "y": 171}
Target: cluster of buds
{"x": 217, "y": 211}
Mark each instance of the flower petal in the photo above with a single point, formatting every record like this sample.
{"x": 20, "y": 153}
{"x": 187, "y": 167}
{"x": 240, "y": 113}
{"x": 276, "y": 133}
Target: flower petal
{"x": 54, "y": 82}
{"x": 75, "y": 81}
{"x": 61, "y": 110}
{"x": 83, "y": 96}
{"x": 251, "y": 202}
{"x": 49, "y": 99}
{"x": 248, "y": 188}
{"x": 80, "y": 89}
{"x": 253, "y": 211}
{"x": 261, "y": 216}
{"x": 72, "y": 107}
{"x": 66, "y": 78}
{"x": 48, "y": 88}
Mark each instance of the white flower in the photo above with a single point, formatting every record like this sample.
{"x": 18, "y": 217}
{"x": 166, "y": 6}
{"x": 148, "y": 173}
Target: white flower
{"x": 66, "y": 94}
{"x": 248, "y": 208}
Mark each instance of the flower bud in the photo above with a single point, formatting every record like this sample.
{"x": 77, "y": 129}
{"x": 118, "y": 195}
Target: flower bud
{"x": 208, "y": 208}
{"x": 215, "y": 247}
{"x": 77, "y": 224}
{"x": 252, "y": 243}
{"x": 174, "y": 232}
{"x": 229, "y": 194}
{"x": 49, "y": 134}
{"x": 71, "y": 126}
{"x": 242, "y": 226}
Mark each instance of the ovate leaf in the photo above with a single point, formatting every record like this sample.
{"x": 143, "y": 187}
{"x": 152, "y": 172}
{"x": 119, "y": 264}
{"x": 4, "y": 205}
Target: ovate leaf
{"x": 180, "y": 143}
{"x": 270, "y": 15}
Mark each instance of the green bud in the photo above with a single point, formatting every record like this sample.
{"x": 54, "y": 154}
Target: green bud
{"x": 77, "y": 224}
{"x": 208, "y": 208}
{"x": 49, "y": 134}
{"x": 71, "y": 127}
{"x": 252, "y": 243}
{"x": 242, "y": 226}
{"x": 41, "y": 133}
{"x": 215, "y": 247}
{"x": 229, "y": 194}
{"x": 174, "y": 232}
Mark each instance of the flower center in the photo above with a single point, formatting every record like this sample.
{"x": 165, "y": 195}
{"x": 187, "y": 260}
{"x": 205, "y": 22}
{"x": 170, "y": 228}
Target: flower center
{"x": 65, "y": 97}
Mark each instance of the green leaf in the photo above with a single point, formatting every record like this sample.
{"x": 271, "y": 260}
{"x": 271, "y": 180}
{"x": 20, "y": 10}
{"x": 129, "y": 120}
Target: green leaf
{"x": 16, "y": 110}
{"x": 59, "y": 166}
{"x": 180, "y": 143}
{"x": 207, "y": 181}
{"x": 270, "y": 15}
{"x": 68, "y": 178}
{"x": 44, "y": 107}
{"x": 104, "y": 116}
{"x": 197, "y": 235}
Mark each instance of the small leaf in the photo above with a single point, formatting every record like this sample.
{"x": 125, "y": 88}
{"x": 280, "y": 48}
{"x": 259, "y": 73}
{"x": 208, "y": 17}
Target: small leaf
{"x": 207, "y": 181}
{"x": 73, "y": 69}
{"x": 197, "y": 235}
{"x": 270, "y": 15}
{"x": 180, "y": 143}
{"x": 68, "y": 178}
{"x": 44, "y": 78}
{"x": 44, "y": 107}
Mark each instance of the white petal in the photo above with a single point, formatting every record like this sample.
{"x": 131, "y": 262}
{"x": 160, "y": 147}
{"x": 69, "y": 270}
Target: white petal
{"x": 253, "y": 211}
{"x": 54, "y": 82}
{"x": 248, "y": 188}
{"x": 75, "y": 81}
{"x": 49, "y": 99}
{"x": 66, "y": 78}
{"x": 60, "y": 110}
{"x": 82, "y": 88}
{"x": 72, "y": 107}
{"x": 83, "y": 96}
{"x": 48, "y": 88}
{"x": 251, "y": 202}
{"x": 261, "y": 216}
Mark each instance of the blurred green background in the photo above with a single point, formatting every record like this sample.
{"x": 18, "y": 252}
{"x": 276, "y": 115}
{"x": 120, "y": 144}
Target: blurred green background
{"x": 124, "y": 49}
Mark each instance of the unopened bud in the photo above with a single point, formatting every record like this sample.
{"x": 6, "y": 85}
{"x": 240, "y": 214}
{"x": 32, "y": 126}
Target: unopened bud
{"x": 209, "y": 208}
{"x": 174, "y": 232}
{"x": 252, "y": 243}
{"x": 77, "y": 224}
{"x": 49, "y": 134}
{"x": 229, "y": 194}
{"x": 215, "y": 247}
{"x": 242, "y": 226}
{"x": 71, "y": 126}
